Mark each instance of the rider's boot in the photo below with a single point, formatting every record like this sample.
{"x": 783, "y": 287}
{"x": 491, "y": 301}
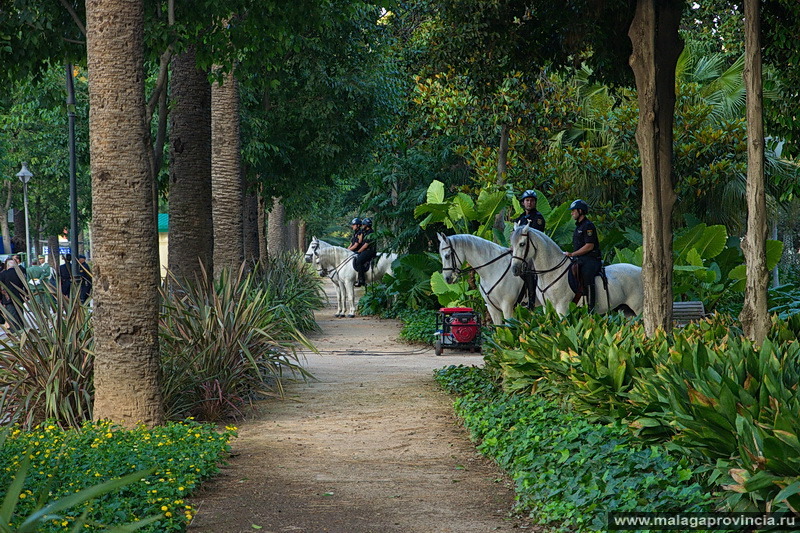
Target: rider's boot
{"x": 591, "y": 293}
{"x": 360, "y": 281}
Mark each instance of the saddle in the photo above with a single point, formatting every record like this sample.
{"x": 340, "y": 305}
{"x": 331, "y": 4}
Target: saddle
{"x": 368, "y": 264}
{"x": 576, "y": 280}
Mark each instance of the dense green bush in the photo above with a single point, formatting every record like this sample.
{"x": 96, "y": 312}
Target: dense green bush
{"x": 704, "y": 387}
{"x": 568, "y": 471}
{"x": 60, "y": 463}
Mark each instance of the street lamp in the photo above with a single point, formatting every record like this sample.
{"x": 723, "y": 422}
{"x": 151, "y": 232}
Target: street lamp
{"x": 24, "y": 176}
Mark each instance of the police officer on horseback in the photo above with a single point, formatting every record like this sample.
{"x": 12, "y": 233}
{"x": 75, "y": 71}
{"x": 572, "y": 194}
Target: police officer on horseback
{"x": 531, "y": 216}
{"x": 355, "y": 240}
{"x": 366, "y": 251}
{"x": 586, "y": 248}
{"x": 535, "y": 220}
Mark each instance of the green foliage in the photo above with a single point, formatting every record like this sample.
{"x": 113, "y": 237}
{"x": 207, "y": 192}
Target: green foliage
{"x": 567, "y": 470}
{"x": 223, "y": 343}
{"x": 418, "y": 326}
{"x": 47, "y": 372}
{"x": 705, "y": 388}
{"x": 100, "y": 477}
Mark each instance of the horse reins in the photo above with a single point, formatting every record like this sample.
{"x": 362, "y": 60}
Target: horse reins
{"x": 459, "y": 271}
{"x": 533, "y": 270}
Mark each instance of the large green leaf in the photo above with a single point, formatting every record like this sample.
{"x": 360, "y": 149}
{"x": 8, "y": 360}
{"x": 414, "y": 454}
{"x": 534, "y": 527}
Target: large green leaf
{"x": 435, "y": 193}
{"x": 490, "y": 203}
{"x": 774, "y": 253}
{"x": 462, "y": 208}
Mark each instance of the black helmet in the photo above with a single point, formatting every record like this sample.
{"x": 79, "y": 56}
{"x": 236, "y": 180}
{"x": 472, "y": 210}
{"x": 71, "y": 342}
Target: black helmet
{"x": 367, "y": 222}
{"x": 355, "y": 222}
{"x": 530, "y": 193}
{"x": 579, "y": 204}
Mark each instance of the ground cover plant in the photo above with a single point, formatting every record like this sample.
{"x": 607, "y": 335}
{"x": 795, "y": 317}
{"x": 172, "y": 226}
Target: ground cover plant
{"x": 568, "y": 470}
{"x": 53, "y": 464}
{"x": 704, "y": 389}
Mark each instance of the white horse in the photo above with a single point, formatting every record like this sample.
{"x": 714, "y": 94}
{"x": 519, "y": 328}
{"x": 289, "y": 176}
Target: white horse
{"x": 337, "y": 262}
{"x": 547, "y": 260}
{"x": 499, "y": 287}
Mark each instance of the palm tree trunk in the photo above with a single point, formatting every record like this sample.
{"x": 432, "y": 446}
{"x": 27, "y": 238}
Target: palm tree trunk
{"x": 250, "y": 221}
{"x": 126, "y": 272}
{"x": 4, "y": 221}
{"x": 226, "y": 176}
{"x": 656, "y": 47}
{"x": 301, "y": 235}
{"x": 276, "y": 235}
{"x": 191, "y": 232}
{"x": 263, "y": 253}
{"x": 754, "y": 317}
{"x": 54, "y": 255}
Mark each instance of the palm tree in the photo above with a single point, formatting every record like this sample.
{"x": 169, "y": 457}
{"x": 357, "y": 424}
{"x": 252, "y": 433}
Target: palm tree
{"x": 226, "y": 175}
{"x": 126, "y": 271}
{"x": 190, "y": 226}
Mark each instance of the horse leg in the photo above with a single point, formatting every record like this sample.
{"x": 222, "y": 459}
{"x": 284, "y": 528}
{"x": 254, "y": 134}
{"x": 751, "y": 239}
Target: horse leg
{"x": 339, "y": 299}
{"x": 351, "y": 297}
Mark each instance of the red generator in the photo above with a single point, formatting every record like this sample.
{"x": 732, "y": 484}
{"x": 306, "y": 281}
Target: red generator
{"x": 457, "y": 327}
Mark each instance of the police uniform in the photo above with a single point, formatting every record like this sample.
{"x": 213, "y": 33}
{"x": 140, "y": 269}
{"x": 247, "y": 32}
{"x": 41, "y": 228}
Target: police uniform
{"x": 535, "y": 219}
{"x": 590, "y": 263}
{"x": 369, "y": 238}
{"x": 356, "y": 238}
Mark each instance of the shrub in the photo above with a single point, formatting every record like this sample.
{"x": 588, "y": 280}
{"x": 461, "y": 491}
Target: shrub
{"x": 63, "y": 462}
{"x": 223, "y": 343}
{"x": 47, "y": 371}
{"x": 568, "y": 471}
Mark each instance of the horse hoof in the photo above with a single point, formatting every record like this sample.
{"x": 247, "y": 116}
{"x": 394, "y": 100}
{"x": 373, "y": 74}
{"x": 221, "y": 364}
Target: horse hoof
{"x": 337, "y": 315}
{"x": 351, "y": 316}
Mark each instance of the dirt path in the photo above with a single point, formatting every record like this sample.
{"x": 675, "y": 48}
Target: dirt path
{"x": 371, "y": 447}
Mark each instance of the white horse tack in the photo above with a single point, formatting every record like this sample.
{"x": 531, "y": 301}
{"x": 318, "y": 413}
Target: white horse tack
{"x": 337, "y": 262}
{"x": 547, "y": 260}
{"x": 313, "y": 247}
{"x": 499, "y": 288}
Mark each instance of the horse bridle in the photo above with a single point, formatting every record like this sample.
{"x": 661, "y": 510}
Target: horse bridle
{"x": 533, "y": 270}
{"x": 314, "y": 248}
{"x": 454, "y": 257}
{"x": 324, "y": 271}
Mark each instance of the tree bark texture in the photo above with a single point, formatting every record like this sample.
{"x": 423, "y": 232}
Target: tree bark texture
{"x": 276, "y": 234}
{"x": 191, "y": 231}
{"x": 126, "y": 271}
{"x": 292, "y": 232}
{"x": 263, "y": 253}
{"x": 301, "y": 235}
{"x": 754, "y": 317}
{"x": 226, "y": 176}
{"x": 4, "y": 221}
{"x": 656, "y": 47}
{"x": 54, "y": 255}
{"x": 502, "y": 170}
{"x": 250, "y": 222}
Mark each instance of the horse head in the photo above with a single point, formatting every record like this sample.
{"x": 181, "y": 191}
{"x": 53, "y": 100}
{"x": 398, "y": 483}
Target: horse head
{"x": 322, "y": 270}
{"x": 522, "y": 249}
{"x": 312, "y": 248}
{"x": 450, "y": 262}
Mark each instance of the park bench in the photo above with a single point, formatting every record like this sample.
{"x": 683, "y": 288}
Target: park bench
{"x": 685, "y": 312}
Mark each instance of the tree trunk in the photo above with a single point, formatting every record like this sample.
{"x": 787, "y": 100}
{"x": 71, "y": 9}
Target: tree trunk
{"x": 54, "y": 255}
{"x": 18, "y": 240}
{"x": 263, "y": 253}
{"x": 656, "y": 47}
{"x": 4, "y": 220}
{"x": 502, "y": 167}
{"x": 276, "y": 235}
{"x": 754, "y": 317}
{"x": 301, "y": 235}
{"x": 293, "y": 232}
{"x": 251, "y": 227}
{"x": 226, "y": 176}
{"x": 191, "y": 231}
{"x": 126, "y": 271}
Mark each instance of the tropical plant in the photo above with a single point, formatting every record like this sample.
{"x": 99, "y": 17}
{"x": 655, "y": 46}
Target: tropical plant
{"x": 223, "y": 343}
{"x": 47, "y": 369}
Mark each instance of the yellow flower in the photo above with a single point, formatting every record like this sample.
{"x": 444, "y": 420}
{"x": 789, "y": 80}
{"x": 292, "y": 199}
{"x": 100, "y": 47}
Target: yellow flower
{"x": 167, "y": 514}
{"x": 164, "y": 508}
{"x": 22, "y": 496}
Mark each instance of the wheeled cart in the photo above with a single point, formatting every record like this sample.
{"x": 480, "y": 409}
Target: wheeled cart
{"x": 457, "y": 328}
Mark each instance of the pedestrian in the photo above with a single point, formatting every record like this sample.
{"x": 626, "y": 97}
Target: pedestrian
{"x": 15, "y": 293}
{"x": 585, "y": 248}
{"x": 20, "y": 265}
{"x": 65, "y": 275}
{"x": 85, "y": 277}
{"x": 39, "y": 283}
{"x": 366, "y": 251}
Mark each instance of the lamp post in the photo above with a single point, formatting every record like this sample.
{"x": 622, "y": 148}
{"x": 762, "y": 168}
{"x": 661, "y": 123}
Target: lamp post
{"x": 24, "y": 176}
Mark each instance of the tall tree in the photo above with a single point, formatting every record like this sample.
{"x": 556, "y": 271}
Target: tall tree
{"x": 190, "y": 226}
{"x": 755, "y": 320}
{"x": 656, "y": 47}
{"x": 226, "y": 175}
{"x": 126, "y": 272}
